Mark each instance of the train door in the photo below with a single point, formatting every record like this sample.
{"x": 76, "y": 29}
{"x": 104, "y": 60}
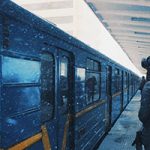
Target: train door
{"x": 65, "y": 100}
{"x": 122, "y": 90}
{"x": 109, "y": 96}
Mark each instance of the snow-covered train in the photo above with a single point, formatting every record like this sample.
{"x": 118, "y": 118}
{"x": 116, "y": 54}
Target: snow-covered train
{"x": 55, "y": 92}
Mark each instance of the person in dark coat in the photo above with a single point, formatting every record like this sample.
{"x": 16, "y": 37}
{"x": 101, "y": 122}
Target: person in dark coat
{"x": 142, "y": 84}
{"x": 144, "y": 112}
{"x": 90, "y": 83}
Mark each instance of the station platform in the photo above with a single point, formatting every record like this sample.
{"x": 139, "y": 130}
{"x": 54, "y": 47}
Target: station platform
{"x": 124, "y": 130}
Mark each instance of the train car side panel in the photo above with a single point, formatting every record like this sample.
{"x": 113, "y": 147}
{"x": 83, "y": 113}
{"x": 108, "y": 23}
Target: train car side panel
{"x": 90, "y": 112}
{"x": 49, "y": 91}
{"x": 21, "y": 71}
{"x": 116, "y": 94}
{"x": 125, "y": 89}
{"x": 0, "y": 107}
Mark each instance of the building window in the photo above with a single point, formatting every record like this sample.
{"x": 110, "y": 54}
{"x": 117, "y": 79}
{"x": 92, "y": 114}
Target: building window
{"x": 93, "y": 81}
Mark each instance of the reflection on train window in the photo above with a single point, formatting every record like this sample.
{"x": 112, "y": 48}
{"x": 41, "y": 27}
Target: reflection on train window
{"x": 16, "y": 70}
{"x": 80, "y": 84}
{"x": 90, "y": 64}
{"x": 92, "y": 81}
{"x": 80, "y": 74}
{"x": 96, "y": 66}
{"x": 22, "y": 77}
{"x": 47, "y": 86}
{"x": 20, "y": 99}
{"x": 64, "y": 84}
{"x": 126, "y": 80}
{"x": 108, "y": 80}
{"x": 117, "y": 80}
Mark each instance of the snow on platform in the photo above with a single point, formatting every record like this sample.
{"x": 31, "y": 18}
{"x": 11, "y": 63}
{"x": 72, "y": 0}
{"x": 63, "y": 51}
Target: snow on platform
{"x": 123, "y": 132}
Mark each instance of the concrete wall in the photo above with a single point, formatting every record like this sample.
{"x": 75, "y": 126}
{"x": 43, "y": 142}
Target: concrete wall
{"x": 90, "y": 30}
{"x": 76, "y": 18}
{"x": 59, "y": 12}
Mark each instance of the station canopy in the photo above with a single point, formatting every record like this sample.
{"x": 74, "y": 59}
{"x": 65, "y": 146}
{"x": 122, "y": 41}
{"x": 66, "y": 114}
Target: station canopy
{"x": 128, "y": 21}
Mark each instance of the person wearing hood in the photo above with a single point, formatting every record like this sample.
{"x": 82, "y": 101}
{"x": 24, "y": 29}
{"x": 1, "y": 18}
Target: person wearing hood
{"x": 144, "y": 112}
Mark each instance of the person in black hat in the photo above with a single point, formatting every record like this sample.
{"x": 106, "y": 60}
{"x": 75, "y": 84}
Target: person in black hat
{"x": 144, "y": 112}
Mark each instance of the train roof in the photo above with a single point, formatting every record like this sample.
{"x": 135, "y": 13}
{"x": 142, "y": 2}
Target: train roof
{"x": 13, "y": 10}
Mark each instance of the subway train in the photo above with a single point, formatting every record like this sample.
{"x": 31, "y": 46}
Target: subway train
{"x": 56, "y": 93}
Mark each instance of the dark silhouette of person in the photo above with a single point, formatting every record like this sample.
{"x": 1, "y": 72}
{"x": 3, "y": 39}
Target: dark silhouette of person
{"x": 144, "y": 112}
{"x": 142, "y": 84}
{"x": 90, "y": 83}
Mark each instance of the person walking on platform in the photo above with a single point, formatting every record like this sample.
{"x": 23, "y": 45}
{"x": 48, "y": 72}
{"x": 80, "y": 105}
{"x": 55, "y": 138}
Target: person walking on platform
{"x": 144, "y": 112}
{"x": 142, "y": 84}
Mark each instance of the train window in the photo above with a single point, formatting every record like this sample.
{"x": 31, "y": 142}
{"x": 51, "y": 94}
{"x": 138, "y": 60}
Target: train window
{"x": 80, "y": 74}
{"x": 22, "y": 78}
{"x": 92, "y": 86}
{"x": 126, "y": 80}
{"x": 90, "y": 64}
{"x": 117, "y": 80}
{"x": 64, "y": 84}
{"x": 16, "y": 70}
{"x": 93, "y": 81}
{"x": 47, "y": 86}
{"x": 93, "y": 65}
{"x": 20, "y": 99}
{"x": 96, "y": 66}
{"x": 108, "y": 79}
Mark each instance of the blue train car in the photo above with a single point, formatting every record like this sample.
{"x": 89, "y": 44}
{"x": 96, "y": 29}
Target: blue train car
{"x": 50, "y": 96}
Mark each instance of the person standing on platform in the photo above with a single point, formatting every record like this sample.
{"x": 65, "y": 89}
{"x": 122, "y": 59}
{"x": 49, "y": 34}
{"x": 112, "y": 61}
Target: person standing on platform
{"x": 142, "y": 84}
{"x": 144, "y": 112}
